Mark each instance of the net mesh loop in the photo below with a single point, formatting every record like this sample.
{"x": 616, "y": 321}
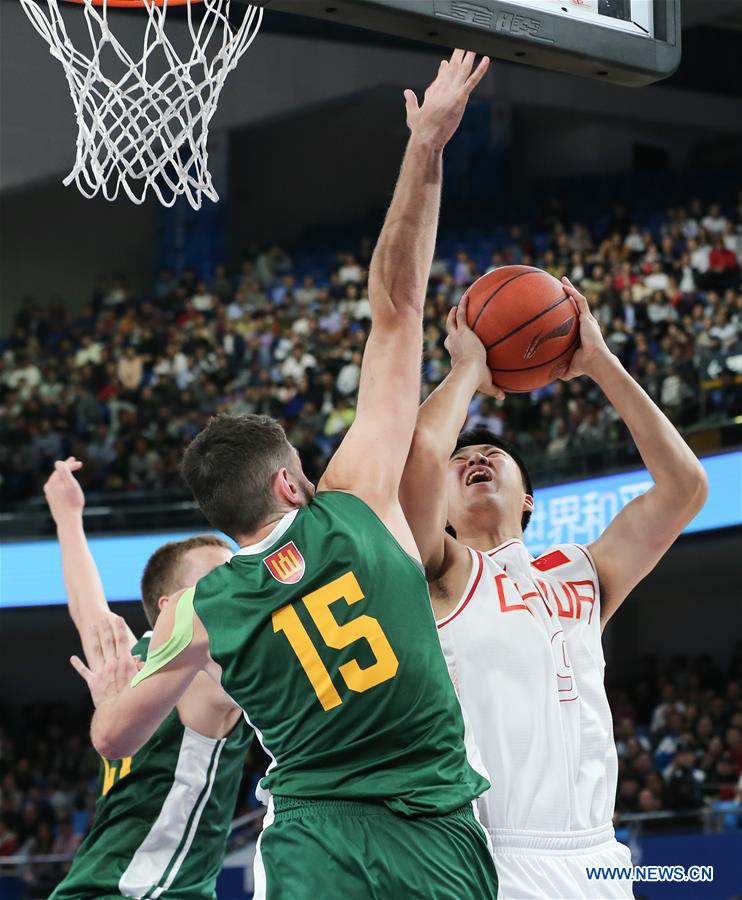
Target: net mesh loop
{"x": 143, "y": 120}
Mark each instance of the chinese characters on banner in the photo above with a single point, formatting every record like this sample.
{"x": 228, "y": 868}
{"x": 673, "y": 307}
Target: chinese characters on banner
{"x": 578, "y": 513}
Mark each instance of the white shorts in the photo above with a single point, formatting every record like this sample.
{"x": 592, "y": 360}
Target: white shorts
{"x": 538, "y": 864}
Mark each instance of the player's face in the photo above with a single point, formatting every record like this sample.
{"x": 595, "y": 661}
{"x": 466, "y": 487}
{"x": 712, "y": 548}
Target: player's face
{"x": 483, "y": 478}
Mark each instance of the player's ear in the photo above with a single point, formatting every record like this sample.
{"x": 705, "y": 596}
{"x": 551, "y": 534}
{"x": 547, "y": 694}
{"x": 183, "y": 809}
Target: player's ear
{"x": 528, "y": 503}
{"x": 162, "y": 601}
{"x": 286, "y": 488}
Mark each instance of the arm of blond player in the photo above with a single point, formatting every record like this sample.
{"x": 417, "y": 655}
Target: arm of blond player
{"x": 640, "y": 535}
{"x": 86, "y": 599}
{"x": 439, "y": 421}
{"x": 130, "y": 704}
{"x": 370, "y": 460}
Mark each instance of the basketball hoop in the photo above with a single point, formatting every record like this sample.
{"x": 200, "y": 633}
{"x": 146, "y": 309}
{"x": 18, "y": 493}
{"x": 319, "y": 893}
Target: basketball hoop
{"x": 143, "y": 120}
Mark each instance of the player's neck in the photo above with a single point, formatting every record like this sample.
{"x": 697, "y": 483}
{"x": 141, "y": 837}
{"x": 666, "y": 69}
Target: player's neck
{"x": 487, "y": 539}
{"x": 257, "y": 537}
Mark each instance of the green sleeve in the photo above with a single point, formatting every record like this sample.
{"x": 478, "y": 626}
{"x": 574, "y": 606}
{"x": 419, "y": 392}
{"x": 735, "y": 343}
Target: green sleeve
{"x": 181, "y": 637}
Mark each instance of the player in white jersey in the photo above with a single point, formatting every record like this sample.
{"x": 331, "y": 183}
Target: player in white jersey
{"x": 522, "y": 636}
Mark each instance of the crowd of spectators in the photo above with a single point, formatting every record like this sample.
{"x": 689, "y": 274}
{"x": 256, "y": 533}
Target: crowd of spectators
{"x": 126, "y": 382}
{"x": 678, "y": 732}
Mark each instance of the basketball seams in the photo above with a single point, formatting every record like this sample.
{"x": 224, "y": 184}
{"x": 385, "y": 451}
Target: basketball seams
{"x": 529, "y": 321}
{"x": 497, "y": 290}
{"x": 546, "y": 362}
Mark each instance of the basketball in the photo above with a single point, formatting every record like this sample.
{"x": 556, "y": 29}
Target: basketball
{"x": 528, "y": 324}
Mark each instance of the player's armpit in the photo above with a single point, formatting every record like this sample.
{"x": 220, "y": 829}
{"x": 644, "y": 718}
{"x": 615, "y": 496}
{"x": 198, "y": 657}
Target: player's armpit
{"x": 637, "y": 539}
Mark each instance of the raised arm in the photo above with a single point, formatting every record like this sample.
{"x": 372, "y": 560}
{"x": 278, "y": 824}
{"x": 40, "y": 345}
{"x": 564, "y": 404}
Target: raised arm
{"x": 86, "y": 600}
{"x": 640, "y": 535}
{"x": 370, "y": 460}
{"x": 439, "y": 421}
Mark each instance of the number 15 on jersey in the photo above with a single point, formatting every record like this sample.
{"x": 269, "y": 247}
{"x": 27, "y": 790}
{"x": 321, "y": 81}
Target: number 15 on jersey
{"x": 337, "y": 637}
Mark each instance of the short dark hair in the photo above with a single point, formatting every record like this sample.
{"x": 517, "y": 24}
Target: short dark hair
{"x": 229, "y": 467}
{"x": 161, "y": 576}
{"x": 481, "y": 435}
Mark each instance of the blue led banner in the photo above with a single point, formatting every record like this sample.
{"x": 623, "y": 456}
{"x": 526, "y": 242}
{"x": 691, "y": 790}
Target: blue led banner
{"x": 579, "y": 511}
{"x": 31, "y": 572}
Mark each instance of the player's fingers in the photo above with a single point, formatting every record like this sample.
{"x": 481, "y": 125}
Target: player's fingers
{"x": 568, "y": 284}
{"x": 82, "y": 670}
{"x": 478, "y": 74}
{"x": 65, "y": 470}
{"x": 451, "y": 320}
{"x": 466, "y": 64}
{"x": 125, "y": 671}
{"x": 582, "y": 305}
{"x": 457, "y": 57}
{"x": 410, "y": 99}
{"x": 491, "y": 390}
{"x": 107, "y": 640}
{"x": 461, "y": 312}
{"x": 94, "y": 650}
{"x": 121, "y": 637}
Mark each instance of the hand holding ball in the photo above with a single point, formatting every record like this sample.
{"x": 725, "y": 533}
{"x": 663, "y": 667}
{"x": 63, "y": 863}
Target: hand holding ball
{"x": 528, "y": 324}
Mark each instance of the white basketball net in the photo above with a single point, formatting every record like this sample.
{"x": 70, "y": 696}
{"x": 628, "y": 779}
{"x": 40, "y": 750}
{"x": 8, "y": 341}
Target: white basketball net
{"x": 143, "y": 121}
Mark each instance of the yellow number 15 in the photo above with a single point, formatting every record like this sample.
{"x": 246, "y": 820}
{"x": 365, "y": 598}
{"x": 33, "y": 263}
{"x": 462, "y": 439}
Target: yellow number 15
{"x": 336, "y": 636}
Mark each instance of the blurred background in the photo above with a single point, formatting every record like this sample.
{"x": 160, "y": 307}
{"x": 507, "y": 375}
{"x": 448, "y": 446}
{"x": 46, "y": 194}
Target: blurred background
{"x": 124, "y": 328}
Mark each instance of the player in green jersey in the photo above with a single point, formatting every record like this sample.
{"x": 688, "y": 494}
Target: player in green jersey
{"x": 163, "y": 814}
{"x": 320, "y": 628}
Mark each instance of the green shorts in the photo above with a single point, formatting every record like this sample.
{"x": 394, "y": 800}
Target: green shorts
{"x": 339, "y": 850}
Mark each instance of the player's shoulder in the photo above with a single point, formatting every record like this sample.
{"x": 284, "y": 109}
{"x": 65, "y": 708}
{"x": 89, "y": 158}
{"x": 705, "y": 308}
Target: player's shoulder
{"x": 343, "y": 507}
{"x": 561, "y": 559}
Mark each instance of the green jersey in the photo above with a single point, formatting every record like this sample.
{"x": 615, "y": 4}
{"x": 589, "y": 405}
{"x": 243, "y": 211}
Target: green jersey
{"x": 326, "y": 638}
{"x": 162, "y": 817}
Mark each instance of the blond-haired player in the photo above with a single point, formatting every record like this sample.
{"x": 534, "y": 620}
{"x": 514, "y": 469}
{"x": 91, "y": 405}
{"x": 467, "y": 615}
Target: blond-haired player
{"x": 522, "y": 636}
{"x": 163, "y": 814}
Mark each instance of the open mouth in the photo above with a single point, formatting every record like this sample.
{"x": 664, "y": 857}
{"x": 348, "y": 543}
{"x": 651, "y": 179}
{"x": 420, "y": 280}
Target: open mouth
{"x": 478, "y": 475}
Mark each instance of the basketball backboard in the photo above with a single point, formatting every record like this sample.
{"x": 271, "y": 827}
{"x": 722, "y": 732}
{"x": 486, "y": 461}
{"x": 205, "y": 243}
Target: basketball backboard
{"x": 629, "y": 42}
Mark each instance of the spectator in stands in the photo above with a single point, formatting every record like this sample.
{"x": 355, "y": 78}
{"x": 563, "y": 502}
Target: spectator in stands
{"x": 192, "y": 346}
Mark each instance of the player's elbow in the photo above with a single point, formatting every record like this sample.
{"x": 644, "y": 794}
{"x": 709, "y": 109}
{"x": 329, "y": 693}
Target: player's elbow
{"x": 697, "y": 489}
{"x": 109, "y": 739}
{"x": 425, "y": 443}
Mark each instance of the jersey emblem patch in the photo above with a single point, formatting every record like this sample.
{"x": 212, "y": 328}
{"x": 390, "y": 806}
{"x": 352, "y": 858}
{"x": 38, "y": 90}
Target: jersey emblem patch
{"x": 286, "y": 564}
{"x": 550, "y": 561}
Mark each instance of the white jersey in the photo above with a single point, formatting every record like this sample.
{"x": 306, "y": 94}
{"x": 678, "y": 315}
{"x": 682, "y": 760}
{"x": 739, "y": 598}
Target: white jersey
{"x": 524, "y": 650}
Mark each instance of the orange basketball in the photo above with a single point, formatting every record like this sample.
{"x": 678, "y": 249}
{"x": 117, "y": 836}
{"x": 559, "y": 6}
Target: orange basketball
{"x": 527, "y": 322}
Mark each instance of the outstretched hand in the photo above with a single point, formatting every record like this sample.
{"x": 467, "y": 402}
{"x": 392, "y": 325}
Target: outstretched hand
{"x": 62, "y": 490}
{"x": 465, "y": 348}
{"x": 592, "y": 348}
{"x": 112, "y": 666}
{"x": 445, "y": 100}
